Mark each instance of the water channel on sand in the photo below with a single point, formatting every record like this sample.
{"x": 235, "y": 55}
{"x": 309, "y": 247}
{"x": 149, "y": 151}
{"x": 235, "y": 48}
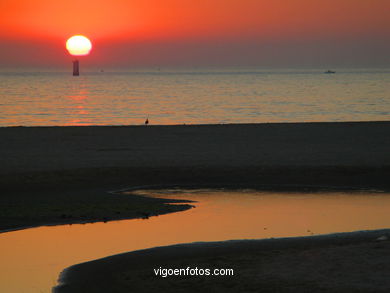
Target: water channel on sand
{"x": 32, "y": 259}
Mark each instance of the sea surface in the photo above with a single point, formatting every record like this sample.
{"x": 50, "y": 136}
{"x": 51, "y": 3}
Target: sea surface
{"x": 32, "y": 259}
{"x": 192, "y": 96}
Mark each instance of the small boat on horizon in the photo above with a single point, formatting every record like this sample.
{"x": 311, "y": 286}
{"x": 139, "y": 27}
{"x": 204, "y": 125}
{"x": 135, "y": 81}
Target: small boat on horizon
{"x": 329, "y": 72}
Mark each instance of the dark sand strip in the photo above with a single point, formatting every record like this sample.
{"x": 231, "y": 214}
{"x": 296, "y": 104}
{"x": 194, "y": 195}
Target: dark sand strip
{"x": 346, "y": 262}
{"x": 341, "y": 154}
{"x": 31, "y": 209}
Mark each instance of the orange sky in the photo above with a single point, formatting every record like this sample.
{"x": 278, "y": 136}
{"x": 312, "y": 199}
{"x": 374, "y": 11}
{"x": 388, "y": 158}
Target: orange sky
{"x": 118, "y": 23}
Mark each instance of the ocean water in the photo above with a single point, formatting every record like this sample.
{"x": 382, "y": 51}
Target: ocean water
{"x": 193, "y": 96}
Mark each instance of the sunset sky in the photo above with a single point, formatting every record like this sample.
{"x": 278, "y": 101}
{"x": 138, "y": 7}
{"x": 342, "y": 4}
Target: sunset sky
{"x": 280, "y": 33}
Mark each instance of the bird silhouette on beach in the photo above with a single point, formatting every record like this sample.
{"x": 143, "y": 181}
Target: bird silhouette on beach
{"x": 147, "y": 121}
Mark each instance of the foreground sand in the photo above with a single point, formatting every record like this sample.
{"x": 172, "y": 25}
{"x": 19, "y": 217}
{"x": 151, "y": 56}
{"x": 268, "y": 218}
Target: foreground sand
{"x": 347, "y": 262}
{"x": 351, "y": 154}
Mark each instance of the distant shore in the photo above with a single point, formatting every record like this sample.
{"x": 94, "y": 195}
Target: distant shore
{"x": 51, "y": 175}
{"x": 344, "y": 262}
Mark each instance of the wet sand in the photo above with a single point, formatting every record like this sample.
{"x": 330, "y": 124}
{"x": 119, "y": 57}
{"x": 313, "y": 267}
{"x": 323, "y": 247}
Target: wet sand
{"x": 29, "y": 209}
{"x": 346, "y": 262}
{"x": 53, "y": 175}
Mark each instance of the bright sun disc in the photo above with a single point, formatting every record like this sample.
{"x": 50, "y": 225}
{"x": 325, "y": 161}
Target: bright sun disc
{"x": 79, "y": 45}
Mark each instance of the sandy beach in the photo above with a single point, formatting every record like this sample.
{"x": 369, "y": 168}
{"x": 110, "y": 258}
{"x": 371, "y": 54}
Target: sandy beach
{"x": 79, "y": 165}
{"x": 345, "y": 262}
{"x": 62, "y": 175}
{"x": 351, "y": 154}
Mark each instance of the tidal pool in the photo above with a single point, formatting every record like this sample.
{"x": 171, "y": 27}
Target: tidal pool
{"x": 32, "y": 259}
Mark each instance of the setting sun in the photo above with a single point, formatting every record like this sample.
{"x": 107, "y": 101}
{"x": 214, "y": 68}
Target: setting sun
{"x": 79, "y": 45}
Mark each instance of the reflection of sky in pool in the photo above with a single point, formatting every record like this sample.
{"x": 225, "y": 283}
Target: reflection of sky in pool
{"x": 32, "y": 259}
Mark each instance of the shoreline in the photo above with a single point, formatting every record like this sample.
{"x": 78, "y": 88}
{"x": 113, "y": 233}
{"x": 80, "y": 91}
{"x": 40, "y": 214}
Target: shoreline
{"x": 62, "y": 175}
{"x": 76, "y": 222}
{"x": 195, "y": 124}
{"x": 186, "y": 204}
{"x": 79, "y": 164}
{"x": 106, "y": 206}
{"x": 99, "y": 275}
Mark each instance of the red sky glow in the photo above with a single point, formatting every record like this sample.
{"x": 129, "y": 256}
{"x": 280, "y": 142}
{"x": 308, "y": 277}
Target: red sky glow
{"x": 180, "y": 32}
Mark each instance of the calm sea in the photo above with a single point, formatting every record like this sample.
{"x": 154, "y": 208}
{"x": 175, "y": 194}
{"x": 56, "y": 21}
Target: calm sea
{"x": 193, "y": 96}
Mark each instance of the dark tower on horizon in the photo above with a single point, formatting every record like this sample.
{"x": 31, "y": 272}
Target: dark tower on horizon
{"x": 76, "y": 71}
